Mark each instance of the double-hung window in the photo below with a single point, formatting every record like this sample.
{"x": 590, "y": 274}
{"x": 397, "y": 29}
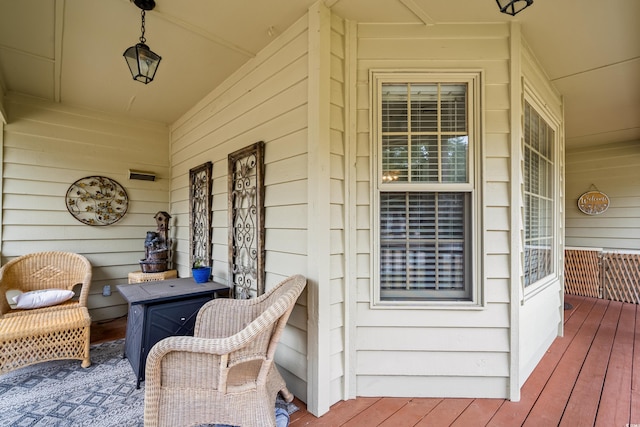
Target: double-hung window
{"x": 539, "y": 142}
{"x": 424, "y": 127}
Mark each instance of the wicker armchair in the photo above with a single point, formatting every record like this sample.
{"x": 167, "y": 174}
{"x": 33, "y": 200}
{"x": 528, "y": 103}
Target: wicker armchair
{"x": 225, "y": 373}
{"x": 49, "y": 333}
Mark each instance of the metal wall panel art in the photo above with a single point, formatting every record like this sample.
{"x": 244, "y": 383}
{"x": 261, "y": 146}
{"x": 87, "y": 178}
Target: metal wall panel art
{"x": 97, "y": 200}
{"x": 200, "y": 213}
{"x": 246, "y": 221}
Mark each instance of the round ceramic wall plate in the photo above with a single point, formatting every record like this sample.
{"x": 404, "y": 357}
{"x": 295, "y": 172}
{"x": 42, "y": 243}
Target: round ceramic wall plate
{"x": 97, "y": 200}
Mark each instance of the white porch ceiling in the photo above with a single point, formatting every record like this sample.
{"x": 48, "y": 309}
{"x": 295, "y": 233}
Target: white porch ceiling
{"x": 70, "y": 51}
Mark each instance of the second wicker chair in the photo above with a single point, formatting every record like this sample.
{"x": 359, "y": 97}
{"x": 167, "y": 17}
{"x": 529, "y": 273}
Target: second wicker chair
{"x": 49, "y": 333}
{"x": 225, "y": 373}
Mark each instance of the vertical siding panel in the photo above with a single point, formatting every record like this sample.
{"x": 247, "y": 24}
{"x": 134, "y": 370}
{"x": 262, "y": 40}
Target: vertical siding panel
{"x": 319, "y": 267}
{"x": 350, "y": 291}
{"x": 517, "y": 208}
{"x": 339, "y": 222}
{"x": 47, "y": 147}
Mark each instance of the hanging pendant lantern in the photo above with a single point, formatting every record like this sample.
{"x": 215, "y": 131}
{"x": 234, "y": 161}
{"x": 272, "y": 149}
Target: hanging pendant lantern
{"x": 142, "y": 61}
{"x": 512, "y": 7}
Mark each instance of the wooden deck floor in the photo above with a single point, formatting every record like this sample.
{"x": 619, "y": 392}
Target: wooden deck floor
{"x": 589, "y": 377}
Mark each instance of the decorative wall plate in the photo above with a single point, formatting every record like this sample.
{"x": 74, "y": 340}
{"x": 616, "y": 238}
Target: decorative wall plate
{"x": 593, "y": 202}
{"x": 97, "y": 200}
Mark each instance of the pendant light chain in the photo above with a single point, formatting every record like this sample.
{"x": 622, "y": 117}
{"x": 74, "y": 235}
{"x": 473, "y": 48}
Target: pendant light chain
{"x": 142, "y": 39}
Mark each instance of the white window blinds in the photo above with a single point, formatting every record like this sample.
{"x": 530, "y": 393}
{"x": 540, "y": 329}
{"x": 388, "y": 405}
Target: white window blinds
{"x": 425, "y": 133}
{"x": 422, "y": 244}
{"x": 425, "y": 220}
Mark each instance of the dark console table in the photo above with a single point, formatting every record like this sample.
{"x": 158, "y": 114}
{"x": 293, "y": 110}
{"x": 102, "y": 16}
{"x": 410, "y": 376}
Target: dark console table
{"x": 161, "y": 309}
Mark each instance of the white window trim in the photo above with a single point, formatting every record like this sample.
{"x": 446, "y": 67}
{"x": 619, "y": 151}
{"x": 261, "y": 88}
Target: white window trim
{"x": 474, "y": 78}
{"x": 536, "y": 102}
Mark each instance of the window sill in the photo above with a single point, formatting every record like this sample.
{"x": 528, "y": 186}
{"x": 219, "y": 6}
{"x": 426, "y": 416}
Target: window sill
{"x": 427, "y": 305}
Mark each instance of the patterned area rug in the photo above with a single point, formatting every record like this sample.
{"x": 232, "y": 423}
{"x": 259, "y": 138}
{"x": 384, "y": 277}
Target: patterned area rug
{"x": 61, "y": 393}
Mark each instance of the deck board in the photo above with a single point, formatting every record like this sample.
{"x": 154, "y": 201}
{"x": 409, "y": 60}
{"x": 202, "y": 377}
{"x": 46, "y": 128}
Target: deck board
{"x": 635, "y": 376}
{"x": 445, "y": 413}
{"x": 581, "y": 409}
{"x": 479, "y": 412}
{"x": 377, "y": 414}
{"x": 615, "y": 404}
{"x": 588, "y": 377}
{"x": 411, "y": 413}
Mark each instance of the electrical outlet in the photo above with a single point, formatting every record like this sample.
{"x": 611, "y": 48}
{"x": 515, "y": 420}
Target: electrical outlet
{"x": 106, "y": 291}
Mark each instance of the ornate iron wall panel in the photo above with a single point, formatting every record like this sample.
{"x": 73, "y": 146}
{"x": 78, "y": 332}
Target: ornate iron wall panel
{"x": 246, "y": 220}
{"x": 200, "y": 213}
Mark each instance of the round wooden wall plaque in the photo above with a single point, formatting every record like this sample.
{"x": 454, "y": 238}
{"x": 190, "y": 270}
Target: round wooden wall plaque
{"x": 593, "y": 202}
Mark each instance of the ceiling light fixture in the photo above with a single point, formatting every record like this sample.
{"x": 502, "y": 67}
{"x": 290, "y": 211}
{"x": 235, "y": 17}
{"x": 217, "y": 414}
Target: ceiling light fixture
{"x": 142, "y": 62}
{"x": 512, "y": 7}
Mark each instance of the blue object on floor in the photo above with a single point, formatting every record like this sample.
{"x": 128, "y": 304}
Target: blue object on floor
{"x": 282, "y": 418}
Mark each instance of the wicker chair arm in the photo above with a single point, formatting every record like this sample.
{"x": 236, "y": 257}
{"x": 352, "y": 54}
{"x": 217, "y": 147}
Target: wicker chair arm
{"x": 187, "y": 344}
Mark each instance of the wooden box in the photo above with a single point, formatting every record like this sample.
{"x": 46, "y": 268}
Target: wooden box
{"x": 139, "y": 276}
